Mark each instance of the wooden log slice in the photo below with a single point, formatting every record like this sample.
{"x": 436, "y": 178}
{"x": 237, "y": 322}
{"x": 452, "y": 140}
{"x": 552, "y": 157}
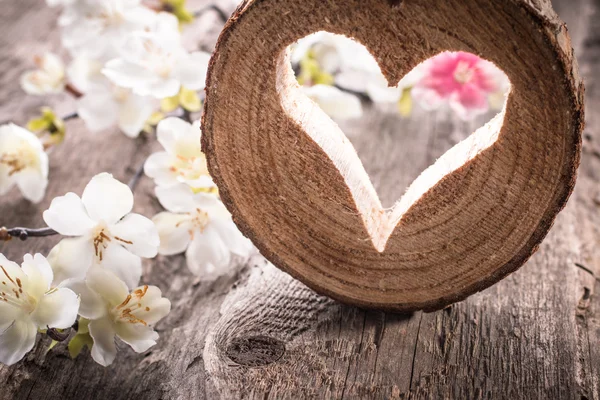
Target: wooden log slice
{"x": 297, "y": 188}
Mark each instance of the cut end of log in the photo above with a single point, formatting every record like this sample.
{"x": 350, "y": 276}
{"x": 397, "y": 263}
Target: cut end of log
{"x": 296, "y": 187}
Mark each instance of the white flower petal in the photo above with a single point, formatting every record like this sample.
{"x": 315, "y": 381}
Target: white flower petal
{"x": 353, "y": 80}
{"x": 10, "y": 272}
{"x": 68, "y": 216}
{"x": 16, "y": 341}
{"x": 85, "y": 73}
{"x": 379, "y": 90}
{"x": 57, "y": 309}
{"x": 98, "y": 109}
{"x": 125, "y": 265}
{"x": 39, "y": 275}
{"x": 6, "y": 181}
{"x": 233, "y": 238}
{"x": 169, "y": 131}
{"x": 8, "y": 314}
{"x": 137, "y": 234}
{"x": 32, "y": 183}
{"x": 207, "y": 256}
{"x": 107, "y": 285}
{"x": 138, "y": 336}
{"x": 177, "y": 198}
{"x": 160, "y": 88}
{"x": 104, "y": 349}
{"x": 71, "y": 258}
{"x": 134, "y": 113}
{"x": 427, "y": 98}
{"x": 175, "y": 232}
{"x": 334, "y": 102}
{"x": 128, "y": 75}
{"x": 191, "y": 71}
{"x": 158, "y": 167}
{"x": 158, "y": 306}
{"x": 106, "y": 199}
{"x": 92, "y": 306}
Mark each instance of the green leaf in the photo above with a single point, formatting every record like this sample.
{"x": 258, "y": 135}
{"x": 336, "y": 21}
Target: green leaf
{"x": 81, "y": 339}
{"x": 405, "y": 104}
{"x": 169, "y": 104}
{"x": 189, "y": 100}
{"x": 177, "y": 8}
{"x": 52, "y": 344}
{"x": 78, "y": 342}
{"x": 311, "y": 72}
{"x": 38, "y": 124}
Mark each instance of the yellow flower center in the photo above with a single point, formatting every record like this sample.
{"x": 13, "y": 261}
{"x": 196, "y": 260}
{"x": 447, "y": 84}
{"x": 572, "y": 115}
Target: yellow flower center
{"x": 102, "y": 239}
{"x": 189, "y": 165}
{"x": 463, "y": 73}
{"x": 18, "y": 160}
{"x": 131, "y": 310}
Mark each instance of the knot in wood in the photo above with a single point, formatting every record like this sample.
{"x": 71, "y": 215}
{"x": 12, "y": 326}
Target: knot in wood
{"x": 255, "y": 351}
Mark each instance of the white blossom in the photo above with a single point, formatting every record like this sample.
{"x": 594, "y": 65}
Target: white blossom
{"x": 334, "y": 53}
{"x": 103, "y": 232}
{"x": 115, "y": 312}
{"x": 48, "y": 78}
{"x": 183, "y": 160}
{"x": 103, "y": 106}
{"x": 200, "y": 225}
{"x": 97, "y": 28}
{"x": 23, "y": 162}
{"x": 154, "y": 63}
{"x": 354, "y": 67}
{"x": 85, "y": 73}
{"x": 28, "y": 303}
{"x": 336, "y": 103}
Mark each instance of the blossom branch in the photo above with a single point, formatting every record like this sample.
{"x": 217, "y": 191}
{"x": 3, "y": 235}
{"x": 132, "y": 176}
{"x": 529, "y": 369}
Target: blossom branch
{"x": 23, "y": 234}
{"x": 73, "y": 91}
{"x": 7, "y": 234}
{"x": 135, "y": 179}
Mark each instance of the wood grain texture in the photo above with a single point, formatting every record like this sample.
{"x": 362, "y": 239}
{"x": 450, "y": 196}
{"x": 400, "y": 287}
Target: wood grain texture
{"x": 294, "y": 183}
{"x": 535, "y": 335}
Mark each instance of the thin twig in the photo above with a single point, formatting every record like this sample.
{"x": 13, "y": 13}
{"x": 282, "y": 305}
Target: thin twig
{"x": 67, "y": 117}
{"x": 363, "y": 96}
{"x": 186, "y": 115}
{"x": 135, "y": 179}
{"x": 7, "y": 234}
{"x": 58, "y": 336}
{"x": 73, "y": 115}
{"x": 73, "y": 91}
{"x": 222, "y": 15}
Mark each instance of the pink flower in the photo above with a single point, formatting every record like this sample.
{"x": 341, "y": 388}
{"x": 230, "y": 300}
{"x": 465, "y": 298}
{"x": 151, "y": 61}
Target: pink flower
{"x": 462, "y": 79}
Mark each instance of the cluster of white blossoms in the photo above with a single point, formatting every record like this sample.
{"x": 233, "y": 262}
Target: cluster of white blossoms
{"x": 333, "y": 68}
{"x": 127, "y": 67}
{"x": 93, "y": 273}
{"x": 196, "y": 222}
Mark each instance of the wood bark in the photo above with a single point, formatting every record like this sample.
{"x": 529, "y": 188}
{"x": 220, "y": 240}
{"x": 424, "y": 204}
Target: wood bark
{"x": 262, "y": 335}
{"x": 295, "y": 185}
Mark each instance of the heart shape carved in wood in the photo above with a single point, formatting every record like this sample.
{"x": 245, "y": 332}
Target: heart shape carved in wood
{"x": 296, "y": 187}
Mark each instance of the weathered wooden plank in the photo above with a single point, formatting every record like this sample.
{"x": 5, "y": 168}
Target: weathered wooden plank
{"x": 521, "y": 338}
{"x": 261, "y": 334}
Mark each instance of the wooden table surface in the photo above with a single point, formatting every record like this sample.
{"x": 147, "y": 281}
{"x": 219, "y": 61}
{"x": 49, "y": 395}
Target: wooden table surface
{"x": 260, "y": 334}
